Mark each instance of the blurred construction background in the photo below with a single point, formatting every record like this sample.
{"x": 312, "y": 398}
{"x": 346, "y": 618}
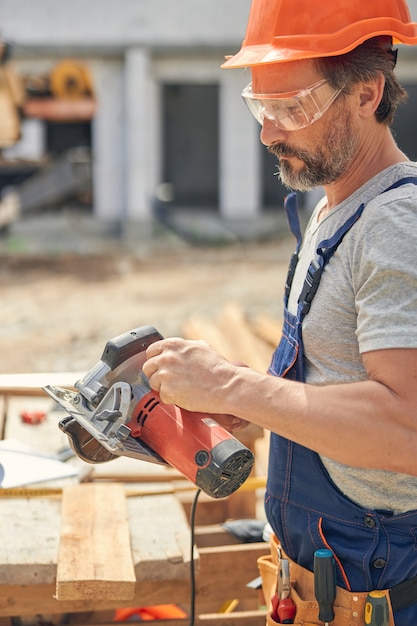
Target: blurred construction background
{"x": 120, "y": 111}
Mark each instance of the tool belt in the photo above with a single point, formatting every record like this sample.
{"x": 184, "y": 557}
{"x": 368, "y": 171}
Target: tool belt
{"x": 349, "y": 607}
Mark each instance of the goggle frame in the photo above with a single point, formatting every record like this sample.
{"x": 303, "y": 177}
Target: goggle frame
{"x": 293, "y": 110}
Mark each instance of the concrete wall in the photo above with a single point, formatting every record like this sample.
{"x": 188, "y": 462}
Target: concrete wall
{"x": 111, "y": 24}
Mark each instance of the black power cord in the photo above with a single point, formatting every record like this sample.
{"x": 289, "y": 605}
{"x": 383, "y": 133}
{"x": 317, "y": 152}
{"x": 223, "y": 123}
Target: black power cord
{"x": 192, "y": 568}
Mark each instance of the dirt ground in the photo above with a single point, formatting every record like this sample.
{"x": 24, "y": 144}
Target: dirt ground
{"x": 58, "y": 311}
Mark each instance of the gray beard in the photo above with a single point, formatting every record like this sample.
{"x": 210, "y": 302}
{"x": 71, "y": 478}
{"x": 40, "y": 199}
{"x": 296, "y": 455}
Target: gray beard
{"x": 323, "y": 167}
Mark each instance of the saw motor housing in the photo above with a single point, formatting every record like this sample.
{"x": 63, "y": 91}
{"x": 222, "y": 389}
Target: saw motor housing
{"x": 114, "y": 412}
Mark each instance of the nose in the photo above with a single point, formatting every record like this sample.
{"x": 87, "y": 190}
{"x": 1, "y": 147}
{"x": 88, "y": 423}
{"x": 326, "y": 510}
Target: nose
{"x": 270, "y": 134}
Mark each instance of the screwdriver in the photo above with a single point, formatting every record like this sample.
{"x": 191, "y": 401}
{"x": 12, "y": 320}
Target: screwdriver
{"x": 376, "y": 609}
{"x": 325, "y": 584}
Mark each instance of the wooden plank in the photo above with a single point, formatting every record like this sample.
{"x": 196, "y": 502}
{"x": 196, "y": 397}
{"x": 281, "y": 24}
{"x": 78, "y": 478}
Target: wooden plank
{"x": 31, "y": 384}
{"x": 23, "y": 600}
{"x": 246, "y": 347}
{"x": 88, "y": 618}
{"x": 222, "y": 575}
{"x": 95, "y": 559}
{"x": 209, "y": 510}
{"x": 29, "y": 540}
{"x": 126, "y": 470}
{"x": 232, "y": 336}
{"x": 160, "y": 538}
{"x": 213, "y": 535}
{"x": 159, "y": 542}
{"x": 197, "y": 327}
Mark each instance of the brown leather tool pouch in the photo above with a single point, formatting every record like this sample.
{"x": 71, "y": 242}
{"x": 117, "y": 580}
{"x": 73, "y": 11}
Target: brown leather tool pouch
{"x": 349, "y": 607}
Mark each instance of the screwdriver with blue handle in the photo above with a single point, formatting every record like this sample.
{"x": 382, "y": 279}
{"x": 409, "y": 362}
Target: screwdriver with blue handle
{"x": 376, "y": 609}
{"x": 325, "y": 584}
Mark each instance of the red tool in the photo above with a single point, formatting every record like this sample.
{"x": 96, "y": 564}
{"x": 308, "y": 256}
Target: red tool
{"x": 32, "y": 417}
{"x": 115, "y": 413}
{"x": 283, "y": 607}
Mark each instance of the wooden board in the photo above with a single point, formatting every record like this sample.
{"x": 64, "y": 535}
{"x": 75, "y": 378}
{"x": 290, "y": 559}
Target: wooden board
{"x": 29, "y": 540}
{"x": 232, "y": 336}
{"x": 95, "y": 559}
{"x": 31, "y": 384}
{"x": 222, "y": 575}
{"x": 247, "y": 347}
{"x": 158, "y": 530}
{"x": 160, "y": 537}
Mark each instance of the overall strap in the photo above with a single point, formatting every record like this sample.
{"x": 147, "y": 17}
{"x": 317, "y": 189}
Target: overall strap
{"x": 326, "y": 250}
{"x": 291, "y": 208}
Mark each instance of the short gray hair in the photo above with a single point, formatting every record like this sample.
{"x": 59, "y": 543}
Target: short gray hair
{"x": 363, "y": 64}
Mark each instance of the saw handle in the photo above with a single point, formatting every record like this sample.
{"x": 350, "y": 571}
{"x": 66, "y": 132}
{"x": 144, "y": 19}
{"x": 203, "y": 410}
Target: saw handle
{"x": 121, "y": 348}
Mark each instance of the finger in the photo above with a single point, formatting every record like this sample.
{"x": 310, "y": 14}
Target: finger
{"x": 153, "y": 379}
{"x": 155, "y": 383}
{"x": 155, "y": 349}
{"x": 149, "y": 368}
{"x": 230, "y": 422}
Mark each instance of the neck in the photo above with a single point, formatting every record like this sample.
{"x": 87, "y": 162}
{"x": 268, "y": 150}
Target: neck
{"x": 371, "y": 159}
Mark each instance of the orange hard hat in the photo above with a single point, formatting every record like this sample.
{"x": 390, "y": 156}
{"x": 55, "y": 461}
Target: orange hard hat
{"x": 289, "y": 30}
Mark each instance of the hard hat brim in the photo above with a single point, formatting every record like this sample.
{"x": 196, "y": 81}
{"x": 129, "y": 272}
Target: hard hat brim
{"x": 298, "y": 47}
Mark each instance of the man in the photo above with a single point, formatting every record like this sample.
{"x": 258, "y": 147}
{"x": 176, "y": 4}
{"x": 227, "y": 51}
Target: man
{"x": 341, "y": 403}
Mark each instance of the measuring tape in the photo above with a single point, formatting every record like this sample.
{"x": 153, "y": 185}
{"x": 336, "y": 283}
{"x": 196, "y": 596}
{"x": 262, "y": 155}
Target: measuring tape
{"x": 251, "y": 484}
{"x": 30, "y": 492}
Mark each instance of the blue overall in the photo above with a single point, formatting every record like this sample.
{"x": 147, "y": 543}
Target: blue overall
{"x": 306, "y": 510}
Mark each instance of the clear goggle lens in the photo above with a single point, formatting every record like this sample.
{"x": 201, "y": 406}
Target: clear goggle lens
{"x": 291, "y": 111}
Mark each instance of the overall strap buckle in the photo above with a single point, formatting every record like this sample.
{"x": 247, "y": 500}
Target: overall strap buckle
{"x": 311, "y": 283}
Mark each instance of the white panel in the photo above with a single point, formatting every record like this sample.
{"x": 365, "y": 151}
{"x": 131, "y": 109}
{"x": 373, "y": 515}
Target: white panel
{"x": 239, "y": 152}
{"x": 108, "y": 141}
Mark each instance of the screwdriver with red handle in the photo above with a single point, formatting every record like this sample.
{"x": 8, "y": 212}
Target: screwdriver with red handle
{"x": 325, "y": 584}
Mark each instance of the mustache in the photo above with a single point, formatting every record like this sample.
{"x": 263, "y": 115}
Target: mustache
{"x": 284, "y": 150}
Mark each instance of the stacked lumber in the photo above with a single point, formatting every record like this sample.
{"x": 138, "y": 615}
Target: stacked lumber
{"x": 237, "y": 337}
{"x": 119, "y": 550}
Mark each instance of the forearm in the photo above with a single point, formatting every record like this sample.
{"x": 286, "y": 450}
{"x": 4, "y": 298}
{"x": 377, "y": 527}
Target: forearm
{"x": 370, "y": 423}
{"x": 363, "y": 424}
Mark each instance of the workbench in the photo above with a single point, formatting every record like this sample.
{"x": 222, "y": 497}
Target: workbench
{"x": 134, "y": 546}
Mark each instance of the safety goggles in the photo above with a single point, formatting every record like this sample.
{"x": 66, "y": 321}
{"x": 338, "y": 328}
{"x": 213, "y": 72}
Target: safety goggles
{"x": 294, "y": 110}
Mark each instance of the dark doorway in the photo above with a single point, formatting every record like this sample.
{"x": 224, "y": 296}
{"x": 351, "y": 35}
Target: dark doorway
{"x": 190, "y": 144}
{"x": 62, "y": 136}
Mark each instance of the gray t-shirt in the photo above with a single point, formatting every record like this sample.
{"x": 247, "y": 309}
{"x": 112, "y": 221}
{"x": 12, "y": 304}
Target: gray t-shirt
{"x": 367, "y": 300}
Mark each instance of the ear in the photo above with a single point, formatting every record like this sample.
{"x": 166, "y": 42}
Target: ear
{"x": 370, "y": 95}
